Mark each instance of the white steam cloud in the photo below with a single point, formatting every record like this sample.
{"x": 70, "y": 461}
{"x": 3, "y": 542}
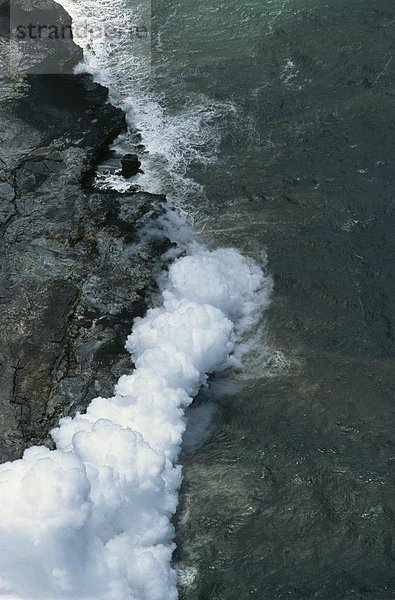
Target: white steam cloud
{"x": 91, "y": 520}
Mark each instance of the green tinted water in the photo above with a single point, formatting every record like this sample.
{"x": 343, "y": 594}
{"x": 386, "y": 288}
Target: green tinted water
{"x": 290, "y": 495}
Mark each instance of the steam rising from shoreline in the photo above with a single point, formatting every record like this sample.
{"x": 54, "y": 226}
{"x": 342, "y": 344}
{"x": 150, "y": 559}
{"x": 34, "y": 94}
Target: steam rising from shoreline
{"x": 92, "y": 519}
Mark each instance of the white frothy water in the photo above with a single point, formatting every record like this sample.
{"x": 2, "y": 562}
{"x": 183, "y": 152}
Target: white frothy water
{"x": 120, "y": 59}
{"x": 91, "y": 520}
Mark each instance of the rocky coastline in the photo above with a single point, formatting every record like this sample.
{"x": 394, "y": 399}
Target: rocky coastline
{"x": 73, "y": 274}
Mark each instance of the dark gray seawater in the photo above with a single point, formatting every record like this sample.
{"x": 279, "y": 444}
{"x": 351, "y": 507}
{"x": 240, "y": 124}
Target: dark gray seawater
{"x": 289, "y": 494}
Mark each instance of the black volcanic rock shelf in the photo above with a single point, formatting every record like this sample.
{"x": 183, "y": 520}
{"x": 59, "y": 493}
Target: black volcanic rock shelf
{"x": 72, "y": 274}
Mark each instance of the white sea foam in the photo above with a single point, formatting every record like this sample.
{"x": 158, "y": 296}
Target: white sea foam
{"x": 92, "y": 519}
{"x": 173, "y": 139}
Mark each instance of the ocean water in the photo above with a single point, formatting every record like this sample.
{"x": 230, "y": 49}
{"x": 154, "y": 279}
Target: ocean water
{"x": 291, "y": 493}
{"x": 270, "y": 126}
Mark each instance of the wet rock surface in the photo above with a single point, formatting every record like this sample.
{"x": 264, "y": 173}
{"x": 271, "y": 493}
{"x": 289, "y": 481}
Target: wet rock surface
{"x": 73, "y": 275}
{"x": 41, "y": 39}
{"x": 130, "y": 165}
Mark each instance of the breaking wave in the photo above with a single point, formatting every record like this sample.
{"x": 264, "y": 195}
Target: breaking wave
{"x": 173, "y": 139}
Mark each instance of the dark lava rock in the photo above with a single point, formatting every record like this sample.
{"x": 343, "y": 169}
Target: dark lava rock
{"x": 73, "y": 274}
{"x": 41, "y": 33}
{"x": 130, "y": 165}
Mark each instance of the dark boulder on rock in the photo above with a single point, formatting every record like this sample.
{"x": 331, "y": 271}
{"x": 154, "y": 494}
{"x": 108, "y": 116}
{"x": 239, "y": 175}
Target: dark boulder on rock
{"x": 130, "y": 165}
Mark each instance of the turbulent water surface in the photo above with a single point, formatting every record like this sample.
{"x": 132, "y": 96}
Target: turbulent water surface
{"x": 291, "y": 495}
{"x": 271, "y": 123}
